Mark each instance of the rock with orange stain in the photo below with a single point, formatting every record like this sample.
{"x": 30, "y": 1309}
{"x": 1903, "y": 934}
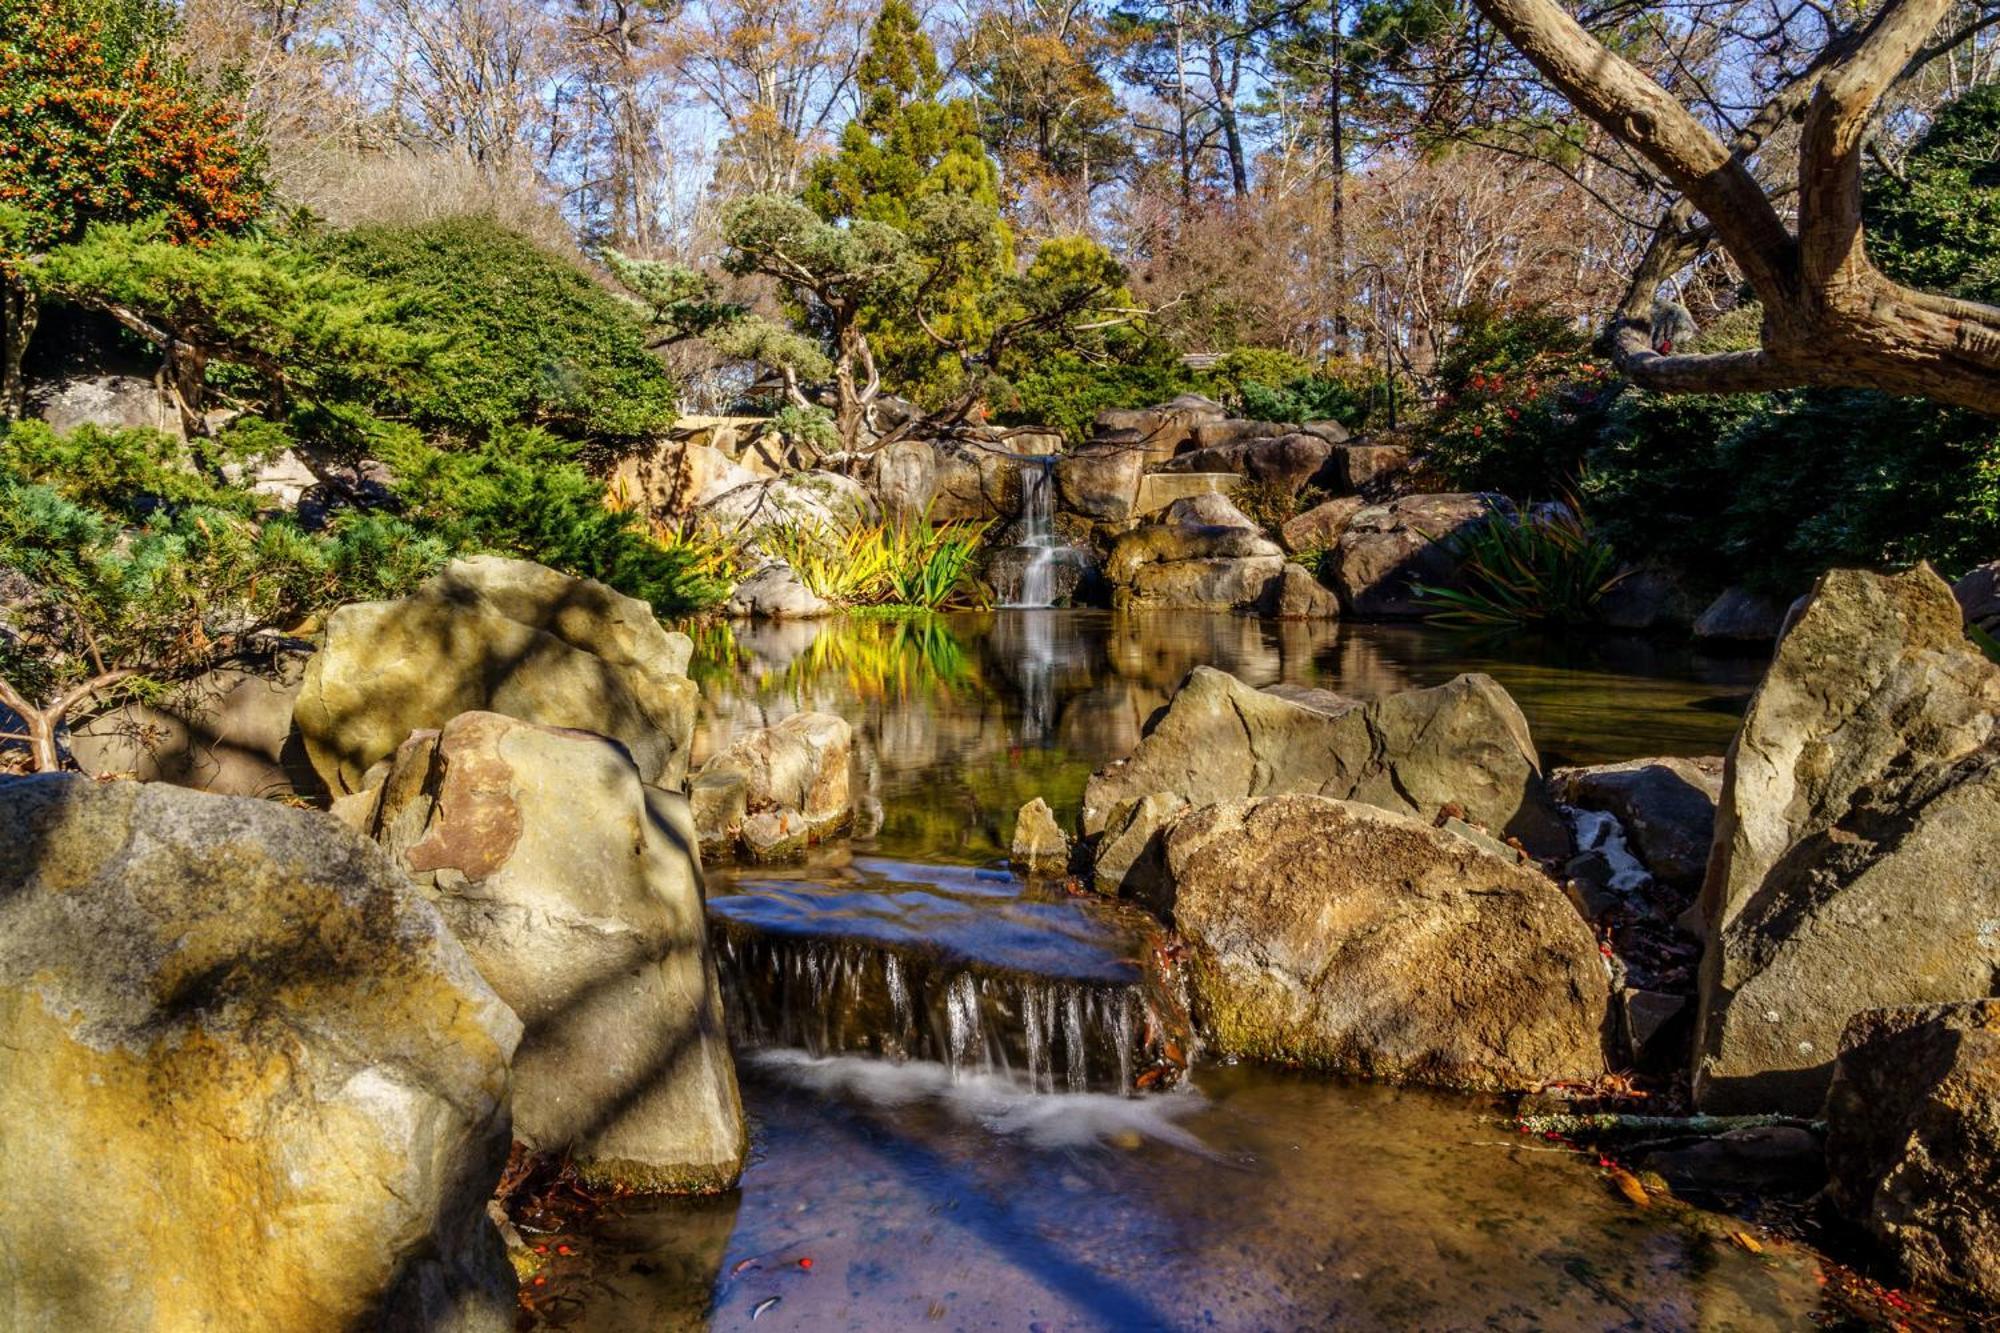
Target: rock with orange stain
{"x": 248, "y": 1079}
{"x": 577, "y": 890}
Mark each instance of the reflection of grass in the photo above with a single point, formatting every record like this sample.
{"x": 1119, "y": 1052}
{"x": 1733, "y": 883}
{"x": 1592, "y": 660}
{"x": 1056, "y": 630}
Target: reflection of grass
{"x": 883, "y": 653}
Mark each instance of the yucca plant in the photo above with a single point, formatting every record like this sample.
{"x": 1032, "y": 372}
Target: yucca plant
{"x": 1545, "y": 568}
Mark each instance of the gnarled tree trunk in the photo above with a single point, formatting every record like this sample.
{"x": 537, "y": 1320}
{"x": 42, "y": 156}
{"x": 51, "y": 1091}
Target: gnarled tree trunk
{"x": 1831, "y": 318}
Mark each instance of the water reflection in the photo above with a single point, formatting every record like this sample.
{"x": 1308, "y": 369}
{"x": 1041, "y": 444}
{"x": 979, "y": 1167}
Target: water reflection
{"x": 960, "y": 719}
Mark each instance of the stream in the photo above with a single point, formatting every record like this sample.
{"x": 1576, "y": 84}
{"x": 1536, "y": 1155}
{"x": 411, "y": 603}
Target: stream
{"x": 938, "y": 1061}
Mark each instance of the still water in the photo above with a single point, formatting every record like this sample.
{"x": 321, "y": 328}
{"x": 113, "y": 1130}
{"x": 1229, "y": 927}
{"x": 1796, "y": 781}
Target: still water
{"x": 936, "y": 1058}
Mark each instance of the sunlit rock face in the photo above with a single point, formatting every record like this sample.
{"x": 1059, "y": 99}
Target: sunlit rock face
{"x": 503, "y": 636}
{"x": 776, "y": 790}
{"x": 1463, "y": 743}
{"x": 577, "y": 891}
{"x": 250, "y": 1079}
{"x": 1341, "y": 936}
{"x": 1855, "y": 863}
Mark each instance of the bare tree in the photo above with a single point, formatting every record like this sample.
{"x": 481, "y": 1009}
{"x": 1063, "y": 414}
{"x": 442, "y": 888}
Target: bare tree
{"x": 1830, "y": 317}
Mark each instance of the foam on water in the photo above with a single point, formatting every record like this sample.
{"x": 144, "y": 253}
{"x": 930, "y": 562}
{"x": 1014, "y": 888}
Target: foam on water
{"x": 1000, "y": 1104}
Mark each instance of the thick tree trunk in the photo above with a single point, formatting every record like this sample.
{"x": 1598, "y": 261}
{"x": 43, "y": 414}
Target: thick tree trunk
{"x": 1831, "y": 318}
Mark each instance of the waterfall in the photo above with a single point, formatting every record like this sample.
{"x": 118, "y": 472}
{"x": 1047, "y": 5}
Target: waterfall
{"x": 860, "y": 997}
{"x": 1039, "y": 554}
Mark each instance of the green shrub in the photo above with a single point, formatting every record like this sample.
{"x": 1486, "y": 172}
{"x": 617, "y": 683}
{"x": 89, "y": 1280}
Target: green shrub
{"x": 1545, "y": 568}
{"x": 522, "y": 492}
{"x": 1520, "y": 403}
{"x": 1065, "y": 392}
{"x": 1265, "y": 384}
{"x": 1938, "y": 226}
{"x": 1769, "y": 490}
{"x": 523, "y": 337}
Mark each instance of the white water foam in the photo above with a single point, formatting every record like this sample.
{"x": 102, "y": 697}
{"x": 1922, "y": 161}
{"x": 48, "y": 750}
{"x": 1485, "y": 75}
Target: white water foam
{"x": 997, "y": 1103}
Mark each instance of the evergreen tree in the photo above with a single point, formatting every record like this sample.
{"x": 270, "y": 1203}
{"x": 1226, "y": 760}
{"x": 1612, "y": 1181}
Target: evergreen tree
{"x": 913, "y": 160}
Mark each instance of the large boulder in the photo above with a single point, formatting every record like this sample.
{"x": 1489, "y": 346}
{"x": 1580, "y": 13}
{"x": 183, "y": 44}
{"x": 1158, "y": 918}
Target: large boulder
{"x": 1463, "y": 743}
{"x": 822, "y": 499}
{"x": 777, "y": 789}
{"x": 1161, "y": 431}
{"x": 106, "y": 401}
{"x": 1342, "y": 936}
{"x": 250, "y": 1080}
{"x": 1319, "y": 528}
{"x": 228, "y": 731}
{"x": 1387, "y": 549}
{"x": 1291, "y": 461}
{"x": 1194, "y": 567}
{"x": 677, "y": 476}
{"x": 1221, "y": 432}
{"x": 1667, "y": 807}
{"x": 974, "y": 481}
{"x": 1368, "y": 468}
{"x": 1856, "y": 823}
{"x": 904, "y": 475}
{"x": 577, "y": 891}
{"x": 1101, "y": 481}
{"x": 504, "y": 636}
{"x": 1913, "y": 1141}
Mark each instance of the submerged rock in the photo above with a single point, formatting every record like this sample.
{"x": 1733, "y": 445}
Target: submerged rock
{"x": 503, "y": 636}
{"x": 1339, "y": 935}
{"x": 1913, "y": 1141}
{"x": 1463, "y": 743}
{"x": 1857, "y": 823}
{"x": 577, "y": 891}
{"x": 777, "y": 789}
{"x": 1040, "y": 847}
{"x": 249, "y": 1077}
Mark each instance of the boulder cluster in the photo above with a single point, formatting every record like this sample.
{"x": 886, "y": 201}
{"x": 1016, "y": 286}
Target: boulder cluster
{"x": 268, "y": 1063}
{"x": 1809, "y": 926}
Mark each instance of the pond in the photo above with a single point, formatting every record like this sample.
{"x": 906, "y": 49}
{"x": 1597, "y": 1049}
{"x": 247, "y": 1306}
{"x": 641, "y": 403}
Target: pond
{"x": 938, "y": 1061}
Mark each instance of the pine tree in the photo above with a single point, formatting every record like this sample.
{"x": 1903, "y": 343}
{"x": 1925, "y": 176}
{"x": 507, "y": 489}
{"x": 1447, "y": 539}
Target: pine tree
{"x": 913, "y": 160}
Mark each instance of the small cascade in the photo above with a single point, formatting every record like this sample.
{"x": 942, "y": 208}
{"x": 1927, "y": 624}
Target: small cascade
{"x": 1035, "y": 564}
{"x": 832, "y": 996}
